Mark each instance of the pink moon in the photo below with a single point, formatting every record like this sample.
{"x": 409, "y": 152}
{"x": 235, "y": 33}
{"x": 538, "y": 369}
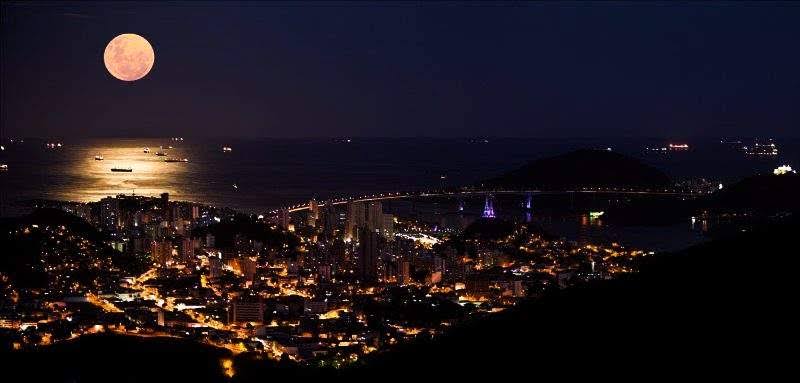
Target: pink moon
{"x": 129, "y": 57}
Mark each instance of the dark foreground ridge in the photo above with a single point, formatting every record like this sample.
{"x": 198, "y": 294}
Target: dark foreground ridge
{"x": 121, "y": 358}
{"x": 759, "y": 196}
{"x": 582, "y": 168}
{"x": 715, "y": 308}
{"x": 762, "y": 192}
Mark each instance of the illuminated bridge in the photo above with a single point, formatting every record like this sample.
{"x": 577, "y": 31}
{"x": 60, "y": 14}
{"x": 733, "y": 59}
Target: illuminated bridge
{"x": 459, "y": 193}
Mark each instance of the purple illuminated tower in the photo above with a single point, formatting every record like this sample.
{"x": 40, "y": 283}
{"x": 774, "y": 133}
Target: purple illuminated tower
{"x": 488, "y": 209}
{"x": 528, "y": 207}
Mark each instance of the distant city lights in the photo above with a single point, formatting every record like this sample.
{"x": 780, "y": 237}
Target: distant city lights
{"x": 783, "y": 169}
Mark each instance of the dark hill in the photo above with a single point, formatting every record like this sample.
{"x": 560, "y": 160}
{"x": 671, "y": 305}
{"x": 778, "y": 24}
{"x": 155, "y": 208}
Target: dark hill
{"x": 718, "y": 308}
{"x": 489, "y": 229}
{"x": 55, "y": 217}
{"x": 117, "y": 358}
{"x": 762, "y": 194}
{"x": 226, "y": 232}
{"x": 768, "y": 192}
{"x": 582, "y": 168}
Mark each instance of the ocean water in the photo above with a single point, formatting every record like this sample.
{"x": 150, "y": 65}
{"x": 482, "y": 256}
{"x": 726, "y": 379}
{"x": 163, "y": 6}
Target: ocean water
{"x": 269, "y": 173}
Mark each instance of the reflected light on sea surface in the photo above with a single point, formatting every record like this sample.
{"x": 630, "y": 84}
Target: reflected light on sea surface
{"x": 150, "y": 176}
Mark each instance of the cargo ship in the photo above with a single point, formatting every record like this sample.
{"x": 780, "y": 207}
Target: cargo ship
{"x": 168, "y": 159}
{"x": 761, "y": 149}
{"x": 678, "y": 147}
{"x": 125, "y": 170}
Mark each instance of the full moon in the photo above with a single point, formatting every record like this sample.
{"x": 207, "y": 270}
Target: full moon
{"x": 129, "y": 57}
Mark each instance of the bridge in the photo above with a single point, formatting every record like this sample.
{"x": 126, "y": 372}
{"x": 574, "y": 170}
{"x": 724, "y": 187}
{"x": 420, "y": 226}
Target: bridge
{"x": 467, "y": 193}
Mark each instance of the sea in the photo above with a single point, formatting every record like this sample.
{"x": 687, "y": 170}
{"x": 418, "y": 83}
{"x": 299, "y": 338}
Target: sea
{"x": 258, "y": 175}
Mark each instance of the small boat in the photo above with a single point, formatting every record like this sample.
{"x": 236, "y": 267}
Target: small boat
{"x": 227, "y": 149}
{"x": 236, "y": 186}
{"x": 98, "y": 157}
{"x": 3, "y": 168}
{"x": 169, "y": 159}
{"x": 169, "y": 146}
{"x": 677, "y": 147}
{"x": 160, "y": 153}
{"x": 125, "y": 170}
{"x": 146, "y": 150}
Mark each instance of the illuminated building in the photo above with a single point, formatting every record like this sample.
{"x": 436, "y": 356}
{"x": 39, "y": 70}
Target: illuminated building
{"x": 315, "y": 307}
{"x": 246, "y": 311}
{"x": 165, "y": 206}
{"x": 354, "y": 219}
{"x": 161, "y": 252}
{"x": 404, "y": 272}
{"x": 244, "y": 266}
{"x": 109, "y": 213}
{"x": 489, "y": 258}
{"x": 324, "y": 273}
{"x": 214, "y": 267}
{"x": 338, "y": 255}
{"x": 367, "y": 255}
{"x": 187, "y": 250}
{"x": 176, "y": 214}
{"x": 283, "y": 219}
{"x": 518, "y": 289}
{"x": 434, "y": 278}
{"x": 477, "y": 286}
{"x": 211, "y": 241}
{"x": 375, "y": 216}
{"x": 247, "y": 266}
{"x": 454, "y": 268}
{"x": 160, "y": 317}
{"x": 313, "y": 213}
{"x": 367, "y": 215}
{"x": 329, "y": 220}
{"x": 388, "y": 226}
{"x": 438, "y": 264}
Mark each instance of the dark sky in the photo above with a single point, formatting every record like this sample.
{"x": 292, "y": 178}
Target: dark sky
{"x": 302, "y": 70}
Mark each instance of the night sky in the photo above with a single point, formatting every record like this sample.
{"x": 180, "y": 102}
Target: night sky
{"x": 323, "y": 70}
